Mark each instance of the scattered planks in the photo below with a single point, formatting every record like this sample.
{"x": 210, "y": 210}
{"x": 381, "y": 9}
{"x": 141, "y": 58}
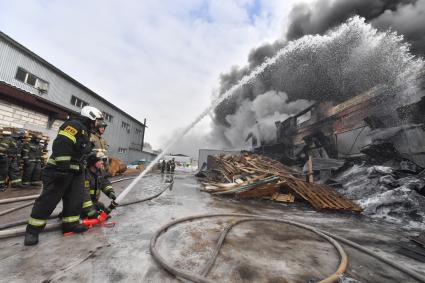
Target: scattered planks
{"x": 255, "y": 176}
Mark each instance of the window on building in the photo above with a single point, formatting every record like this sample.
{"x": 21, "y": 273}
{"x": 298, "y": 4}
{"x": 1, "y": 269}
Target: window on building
{"x": 78, "y": 102}
{"x": 303, "y": 118}
{"x": 139, "y": 132}
{"x": 108, "y": 117}
{"x": 122, "y": 150}
{"x": 125, "y": 126}
{"x": 28, "y": 78}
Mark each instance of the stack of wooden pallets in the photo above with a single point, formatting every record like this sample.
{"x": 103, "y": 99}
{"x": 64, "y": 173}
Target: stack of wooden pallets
{"x": 256, "y": 176}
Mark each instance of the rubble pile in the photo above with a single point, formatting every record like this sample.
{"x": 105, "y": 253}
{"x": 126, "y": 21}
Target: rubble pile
{"x": 386, "y": 193}
{"x": 256, "y": 176}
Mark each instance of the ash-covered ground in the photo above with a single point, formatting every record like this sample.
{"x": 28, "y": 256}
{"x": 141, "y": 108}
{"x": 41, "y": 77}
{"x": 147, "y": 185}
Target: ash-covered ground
{"x": 386, "y": 194}
{"x": 252, "y": 252}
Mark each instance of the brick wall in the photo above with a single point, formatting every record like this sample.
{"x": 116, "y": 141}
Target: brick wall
{"x": 13, "y": 115}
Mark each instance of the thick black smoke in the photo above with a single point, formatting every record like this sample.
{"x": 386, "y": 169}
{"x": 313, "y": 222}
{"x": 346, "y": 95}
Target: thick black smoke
{"x": 406, "y": 17}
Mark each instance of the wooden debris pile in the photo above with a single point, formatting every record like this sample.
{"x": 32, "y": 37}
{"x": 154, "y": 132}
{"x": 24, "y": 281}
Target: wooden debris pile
{"x": 256, "y": 176}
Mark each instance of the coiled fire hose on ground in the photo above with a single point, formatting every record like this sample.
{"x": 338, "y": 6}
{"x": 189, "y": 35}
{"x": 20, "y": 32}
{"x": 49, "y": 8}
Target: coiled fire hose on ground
{"x": 201, "y": 278}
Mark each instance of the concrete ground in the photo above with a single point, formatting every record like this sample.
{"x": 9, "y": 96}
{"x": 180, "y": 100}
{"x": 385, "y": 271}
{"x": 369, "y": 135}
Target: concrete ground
{"x": 252, "y": 252}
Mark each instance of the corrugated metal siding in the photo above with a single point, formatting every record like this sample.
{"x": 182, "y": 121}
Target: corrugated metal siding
{"x": 61, "y": 90}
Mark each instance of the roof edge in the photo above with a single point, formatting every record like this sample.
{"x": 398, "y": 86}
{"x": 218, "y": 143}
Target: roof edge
{"x": 22, "y": 48}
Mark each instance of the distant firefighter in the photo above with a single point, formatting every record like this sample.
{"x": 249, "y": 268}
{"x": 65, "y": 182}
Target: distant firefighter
{"x": 32, "y": 155}
{"x": 171, "y": 165}
{"x": 163, "y": 166}
{"x": 9, "y": 160}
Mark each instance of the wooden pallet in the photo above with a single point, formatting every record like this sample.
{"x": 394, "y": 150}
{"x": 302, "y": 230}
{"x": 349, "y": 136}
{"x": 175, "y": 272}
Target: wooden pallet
{"x": 320, "y": 196}
{"x": 251, "y": 166}
{"x": 283, "y": 197}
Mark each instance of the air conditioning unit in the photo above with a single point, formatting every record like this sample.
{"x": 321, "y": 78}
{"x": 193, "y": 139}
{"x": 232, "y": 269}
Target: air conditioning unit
{"x": 41, "y": 86}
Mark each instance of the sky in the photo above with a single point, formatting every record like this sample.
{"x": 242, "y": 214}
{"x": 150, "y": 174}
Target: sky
{"x": 158, "y": 60}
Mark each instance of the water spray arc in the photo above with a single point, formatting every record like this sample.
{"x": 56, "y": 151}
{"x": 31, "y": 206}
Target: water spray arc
{"x": 245, "y": 80}
{"x": 309, "y": 46}
{"x": 349, "y": 60}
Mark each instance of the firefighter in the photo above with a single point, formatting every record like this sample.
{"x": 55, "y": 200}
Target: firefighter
{"x": 162, "y": 166}
{"x": 172, "y": 165}
{"x": 95, "y": 183}
{"x": 168, "y": 166}
{"x": 99, "y": 143}
{"x": 32, "y": 155}
{"x": 4, "y": 147}
{"x": 15, "y": 160}
{"x": 63, "y": 176}
{"x": 9, "y": 162}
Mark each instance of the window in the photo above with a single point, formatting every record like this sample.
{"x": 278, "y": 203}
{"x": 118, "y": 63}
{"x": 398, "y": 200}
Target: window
{"x": 303, "y": 118}
{"x": 122, "y": 150}
{"x": 125, "y": 126}
{"x": 107, "y": 117}
{"x": 139, "y": 132}
{"x": 78, "y": 102}
{"x": 28, "y": 78}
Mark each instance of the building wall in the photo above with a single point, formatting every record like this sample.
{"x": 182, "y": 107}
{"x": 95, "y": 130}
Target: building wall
{"x": 61, "y": 90}
{"x": 147, "y": 156}
{"x": 12, "y": 115}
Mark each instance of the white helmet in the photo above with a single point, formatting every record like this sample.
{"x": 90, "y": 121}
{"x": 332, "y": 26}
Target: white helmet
{"x": 91, "y": 112}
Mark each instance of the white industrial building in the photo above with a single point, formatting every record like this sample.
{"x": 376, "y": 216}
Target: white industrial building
{"x": 36, "y": 95}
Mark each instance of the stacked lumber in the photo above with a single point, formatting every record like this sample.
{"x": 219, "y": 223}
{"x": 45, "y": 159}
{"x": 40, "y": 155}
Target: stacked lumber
{"x": 255, "y": 176}
{"x": 116, "y": 167}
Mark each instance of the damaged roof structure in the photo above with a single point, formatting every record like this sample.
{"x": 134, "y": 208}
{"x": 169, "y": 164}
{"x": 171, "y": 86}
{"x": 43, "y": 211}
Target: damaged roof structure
{"x": 374, "y": 125}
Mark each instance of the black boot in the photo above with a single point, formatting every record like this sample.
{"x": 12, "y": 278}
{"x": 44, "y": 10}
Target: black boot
{"x": 73, "y": 227}
{"x": 30, "y": 239}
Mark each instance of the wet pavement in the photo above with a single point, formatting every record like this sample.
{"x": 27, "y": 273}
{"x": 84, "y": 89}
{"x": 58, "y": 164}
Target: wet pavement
{"x": 252, "y": 252}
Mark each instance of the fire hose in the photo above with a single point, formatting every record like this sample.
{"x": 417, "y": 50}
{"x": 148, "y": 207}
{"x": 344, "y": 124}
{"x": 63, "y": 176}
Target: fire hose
{"x": 11, "y": 200}
{"x": 31, "y": 197}
{"x": 201, "y": 278}
{"x": 88, "y": 222}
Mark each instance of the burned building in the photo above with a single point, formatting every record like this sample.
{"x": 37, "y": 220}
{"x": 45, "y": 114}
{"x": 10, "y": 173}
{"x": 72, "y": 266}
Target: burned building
{"x": 377, "y": 125}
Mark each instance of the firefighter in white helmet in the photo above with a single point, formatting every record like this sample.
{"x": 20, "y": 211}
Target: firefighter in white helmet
{"x": 63, "y": 176}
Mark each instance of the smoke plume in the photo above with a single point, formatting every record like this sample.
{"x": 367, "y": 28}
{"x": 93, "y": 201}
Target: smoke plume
{"x": 331, "y": 59}
{"x": 404, "y": 16}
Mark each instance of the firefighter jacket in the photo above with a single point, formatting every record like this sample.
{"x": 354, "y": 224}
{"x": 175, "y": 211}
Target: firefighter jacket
{"x": 32, "y": 152}
{"x": 8, "y": 147}
{"x": 96, "y": 183}
{"x": 19, "y": 146}
{"x": 71, "y": 147}
{"x": 99, "y": 143}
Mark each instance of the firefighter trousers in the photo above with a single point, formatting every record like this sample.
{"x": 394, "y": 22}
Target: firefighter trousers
{"x": 88, "y": 204}
{"x": 4, "y": 165}
{"x": 14, "y": 171}
{"x": 32, "y": 173}
{"x": 69, "y": 187}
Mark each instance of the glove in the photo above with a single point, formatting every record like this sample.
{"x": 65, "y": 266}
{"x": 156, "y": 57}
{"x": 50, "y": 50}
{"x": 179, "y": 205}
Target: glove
{"x": 112, "y": 196}
{"x": 111, "y": 207}
{"x": 92, "y": 214}
{"x": 100, "y": 206}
